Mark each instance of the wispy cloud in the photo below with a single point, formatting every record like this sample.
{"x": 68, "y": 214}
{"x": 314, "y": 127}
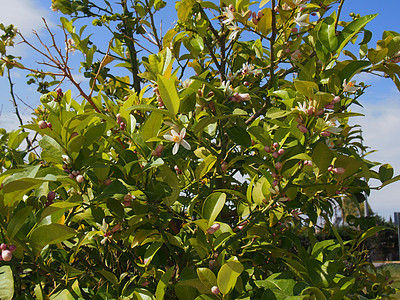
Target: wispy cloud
{"x": 25, "y": 14}
{"x": 381, "y": 126}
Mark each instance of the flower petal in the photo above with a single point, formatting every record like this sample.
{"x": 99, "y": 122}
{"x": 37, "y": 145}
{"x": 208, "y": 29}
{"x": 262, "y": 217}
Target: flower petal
{"x": 174, "y": 133}
{"x": 168, "y": 137}
{"x": 183, "y": 133}
{"x": 175, "y": 149}
{"x": 185, "y": 145}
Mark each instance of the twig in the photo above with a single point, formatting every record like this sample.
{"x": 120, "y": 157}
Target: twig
{"x": 338, "y": 15}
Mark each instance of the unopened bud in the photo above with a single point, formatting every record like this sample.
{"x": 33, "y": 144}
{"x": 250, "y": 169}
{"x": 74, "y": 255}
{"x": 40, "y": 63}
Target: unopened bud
{"x": 267, "y": 149}
{"x": 215, "y": 290}
{"x": 325, "y": 133}
{"x": 51, "y": 196}
{"x": 215, "y": 227}
{"x": 6, "y": 255}
{"x": 278, "y": 165}
{"x": 338, "y": 170}
{"x": 281, "y": 151}
{"x": 42, "y": 124}
{"x": 79, "y": 178}
{"x": 336, "y": 99}
{"x": 275, "y": 154}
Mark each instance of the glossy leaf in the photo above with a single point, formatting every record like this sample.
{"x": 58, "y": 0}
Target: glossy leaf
{"x": 227, "y": 276}
{"x": 212, "y": 207}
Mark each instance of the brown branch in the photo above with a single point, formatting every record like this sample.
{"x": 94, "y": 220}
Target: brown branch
{"x": 338, "y": 14}
{"x": 102, "y": 64}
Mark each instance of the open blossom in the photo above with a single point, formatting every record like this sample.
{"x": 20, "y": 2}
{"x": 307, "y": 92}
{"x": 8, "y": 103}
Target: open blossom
{"x": 226, "y": 86}
{"x": 228, "y": 13}
{"x": 296, "y": 55}
{"x": 350, "y": 87}
{"x": 299, "y": 20}
{"x": 248, "y": 69}
{"x": 70, "y": 46}
{"x": 178, "y": 139}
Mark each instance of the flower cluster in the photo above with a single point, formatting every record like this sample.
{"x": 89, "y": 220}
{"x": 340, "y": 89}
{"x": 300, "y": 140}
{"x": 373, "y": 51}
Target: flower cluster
{"x": 6, "y": 254}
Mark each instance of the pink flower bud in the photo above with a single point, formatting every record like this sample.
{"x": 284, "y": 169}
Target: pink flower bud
{"x": 276, "y": 9}
{"x": 6, "y": 255}
{"x": 275, "y": 154}
{"x": 51, "y": 196}
{"x": 70, "y": 175}
{"x": 267, "y": 149}
{"x": 273, "y": 174}
{"x": 275, "y": 182}
{"x": 3, "y": 246}
{"x": 338, "y": 170}
{"x": 330, "y": 168}
{"x": 325, "y": 133}
{"x": 302, "y": 128}
{"x": 42, "y": 124}
{"x": 260, "y": 15}
{"x": 119, "y": 120}
{"x": 127, "y": 203}
{"x": 278, "y": 165}
{"x": 177, "y": 170}
{"x": 116, "y": 228}
{"x": 329, "y": 106}
{"x": 79, "y": 178}
{"x": 299, "y": 120}
{"x": 224, "y": 166}
{"x": 255, "y": 21}
{"x": 310, "y": 110}
{"x": 215, "y": 290}
{"x": 294, "y": 30}
{"x": 12, "y": 248}
{"x": 210, "y": 94}
{"x": 336, "y": 99}
{"x": 215, "y": 227}
{"x": 211, "y": 264}
{"x": 246, "y": 83}
{"x": 59, "y": 93}
{"x": 276, "y": 145}
{"x": 281, "y": 151}
{"x": 319, "y": 112}
{"x": 107, "y": 181}
{"x": 49, "y": 125}
{"x": 146, "y": 283}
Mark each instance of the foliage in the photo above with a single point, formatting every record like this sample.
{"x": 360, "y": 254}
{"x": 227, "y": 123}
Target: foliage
{"x": 192, "y": 174}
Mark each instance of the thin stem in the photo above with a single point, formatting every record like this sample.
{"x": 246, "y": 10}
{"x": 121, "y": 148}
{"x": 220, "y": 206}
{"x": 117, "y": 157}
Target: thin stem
{"x": 338, "y": 14}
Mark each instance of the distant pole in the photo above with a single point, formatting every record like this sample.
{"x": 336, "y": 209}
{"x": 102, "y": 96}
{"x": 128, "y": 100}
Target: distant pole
{"x": 397, "y": 222}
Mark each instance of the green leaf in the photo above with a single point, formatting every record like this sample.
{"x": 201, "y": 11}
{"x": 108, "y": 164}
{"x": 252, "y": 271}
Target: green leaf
{"x": 184, "y": 9}
{"x": 151, "y": 126}
{"x": 205, "y": 166}
{"x": 265, "y": 24}
{"x": 370, "y": 232}
{"x": 227, "y": 276}
{"x": 352, "y": 68}
{"x": 322, "y": 156}
{"x": 15, "y": 138}
{"x": 385, "y": 172}
{"x": 72, "y": 293}
{"x": 14, "y": 191}
{"x": 17, "y": 221}
{"x": 306, "y": 88}
{"x": 263, "y": 2}
{"x": 53, "y": 150}
{"x": 352, "y": 29}
{"x": 327, "y": 34}
{"x": 260, "y": 190}
{"x": 150, "y": 252}
{"x": 207, "y": 277}
{"x": 376, "y": 56}
{"x": 50, "y": 234}
{"x": 239, "y": 135}
{"x": 169, "y": 94}
{"x": 212, "y": 207}
{"x": 6, "y": 283}
{"x": 109, "y": 277}
{"x": 163, "y": 284}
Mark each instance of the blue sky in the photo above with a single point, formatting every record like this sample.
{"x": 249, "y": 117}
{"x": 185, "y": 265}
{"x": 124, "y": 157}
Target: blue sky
{"x": 381, "y": 102}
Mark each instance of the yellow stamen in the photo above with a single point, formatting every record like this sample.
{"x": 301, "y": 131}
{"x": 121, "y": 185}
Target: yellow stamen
{"x": 176, "y": 138}
{"x": 351, "y": 84}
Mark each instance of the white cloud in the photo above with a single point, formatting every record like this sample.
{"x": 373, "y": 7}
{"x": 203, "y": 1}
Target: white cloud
{"x": 9, "y": 121}
{"x": 25, "y": 14}
{"x": 381, "y": 126}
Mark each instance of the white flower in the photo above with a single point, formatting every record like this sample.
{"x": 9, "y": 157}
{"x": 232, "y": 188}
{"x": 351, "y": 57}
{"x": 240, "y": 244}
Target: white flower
{"x": 350, "y": 87}
{"x": 299, "y": 20}
{"x": 186, "y": 83}
{"x": 226, "y": 86}
{"x": 249, "y": 69}
{"x": 331, "y": 123}
{"x": 178, "y": 139}
{"x": 296, "y": 55}
{"x": 234, "y": 31}
{"x": 229, "y": 15}
{"x": 285, "y": 6}
{"x": 66, "y": 159}
{"x": 70, "y": 46}
{"x": 302, "y": 107}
